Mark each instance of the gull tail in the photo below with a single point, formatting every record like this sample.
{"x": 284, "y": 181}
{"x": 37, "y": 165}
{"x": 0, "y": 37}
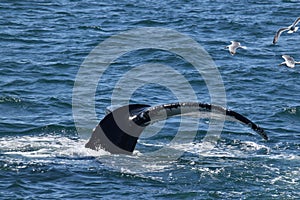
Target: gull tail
{"x": 120, "y": 129}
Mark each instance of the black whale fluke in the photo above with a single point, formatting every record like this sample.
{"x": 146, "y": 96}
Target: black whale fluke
{"x": 119, "y": 130}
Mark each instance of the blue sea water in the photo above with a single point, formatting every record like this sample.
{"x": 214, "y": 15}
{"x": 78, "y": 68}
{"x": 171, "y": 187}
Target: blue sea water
{"x": 43, "y": 45}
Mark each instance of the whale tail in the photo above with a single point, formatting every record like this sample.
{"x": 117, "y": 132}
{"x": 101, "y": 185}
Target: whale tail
{"x": 116, "y": 132}
{"x": 120, "y": 129}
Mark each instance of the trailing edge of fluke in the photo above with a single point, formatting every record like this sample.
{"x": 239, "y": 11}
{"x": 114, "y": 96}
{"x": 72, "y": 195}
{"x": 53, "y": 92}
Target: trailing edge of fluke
{"x": 119, "y": 130}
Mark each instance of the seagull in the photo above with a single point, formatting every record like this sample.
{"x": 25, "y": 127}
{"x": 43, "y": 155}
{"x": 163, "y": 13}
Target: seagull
{"x": 289, "y": 61}
{"x": 234, "y": 45}
{"x": 291, "y": 29}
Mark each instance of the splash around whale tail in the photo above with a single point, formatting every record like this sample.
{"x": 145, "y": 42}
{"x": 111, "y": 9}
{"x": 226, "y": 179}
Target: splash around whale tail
{"x": 120, "y": 129}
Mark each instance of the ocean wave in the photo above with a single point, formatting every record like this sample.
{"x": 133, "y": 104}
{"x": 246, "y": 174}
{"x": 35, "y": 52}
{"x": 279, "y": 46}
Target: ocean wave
{"x": 293, "y": 111}
{"x": 10, "y": 99}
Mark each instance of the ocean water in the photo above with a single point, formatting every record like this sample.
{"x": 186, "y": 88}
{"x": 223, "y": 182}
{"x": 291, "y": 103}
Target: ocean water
{"x": 42, "y": 154}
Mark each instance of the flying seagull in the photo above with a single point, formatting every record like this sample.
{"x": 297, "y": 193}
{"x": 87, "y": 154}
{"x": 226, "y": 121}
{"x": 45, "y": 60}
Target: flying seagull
{"x": 120, "y": 129}
{"x": 291, "y": 29}
{"x": 233, "y": 46}
{"x": 289, "y": 61}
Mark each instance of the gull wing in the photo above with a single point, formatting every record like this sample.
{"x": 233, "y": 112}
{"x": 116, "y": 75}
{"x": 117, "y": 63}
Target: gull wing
{"x": 278, "y": 33}
{"x": 296, "y": 21}
{"x": 289, "y": 61}
{"x": 288, "y": 58}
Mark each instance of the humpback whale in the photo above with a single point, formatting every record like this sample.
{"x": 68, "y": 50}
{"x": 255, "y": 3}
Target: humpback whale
{"x": 120, "y": 129}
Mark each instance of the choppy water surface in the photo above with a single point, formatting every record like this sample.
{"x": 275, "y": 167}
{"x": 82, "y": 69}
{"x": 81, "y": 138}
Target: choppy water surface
{"x": 43, "y": 45}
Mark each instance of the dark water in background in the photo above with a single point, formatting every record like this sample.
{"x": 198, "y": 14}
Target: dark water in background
{"x": 43, "y": 44}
